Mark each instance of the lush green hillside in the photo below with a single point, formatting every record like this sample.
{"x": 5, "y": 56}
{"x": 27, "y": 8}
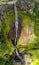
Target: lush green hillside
{"x": 28, "y": 42}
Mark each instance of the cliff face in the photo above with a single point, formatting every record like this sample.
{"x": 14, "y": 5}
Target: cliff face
{"x": 25, "y": 4}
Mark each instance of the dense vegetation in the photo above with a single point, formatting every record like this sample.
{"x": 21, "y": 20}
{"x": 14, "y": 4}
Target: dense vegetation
{"x": 32, "y": 47}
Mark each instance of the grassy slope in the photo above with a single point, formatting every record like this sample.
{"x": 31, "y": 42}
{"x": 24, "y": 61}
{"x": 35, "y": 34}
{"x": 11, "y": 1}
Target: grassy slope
{"x": 26, "y": 20}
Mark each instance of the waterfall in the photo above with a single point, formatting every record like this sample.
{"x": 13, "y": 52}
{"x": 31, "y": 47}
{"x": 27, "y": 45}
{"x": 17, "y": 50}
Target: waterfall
{"x": 16, "y": 22}
{"x": 16, "y": 19}
{"x": 16, "y": 28}
{"x": 22, "y": 60}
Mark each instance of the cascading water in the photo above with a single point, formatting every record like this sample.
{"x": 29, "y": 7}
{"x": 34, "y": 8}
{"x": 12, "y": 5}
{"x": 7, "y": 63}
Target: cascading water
{"x": 16, "y": 28}
{"x": 16, "y": 22}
